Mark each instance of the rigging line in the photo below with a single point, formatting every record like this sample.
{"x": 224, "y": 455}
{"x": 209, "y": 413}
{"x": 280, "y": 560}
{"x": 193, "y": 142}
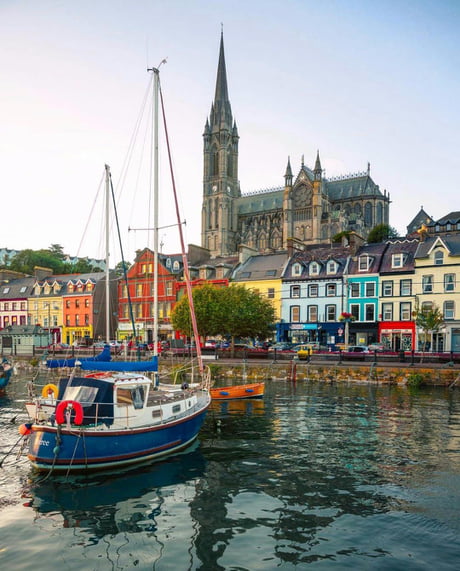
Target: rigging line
{"x": 125, "y": 274}
{"x": 91, "y": 213}
{"x": 129, "y": 153}
{"x": 181, "y": 235}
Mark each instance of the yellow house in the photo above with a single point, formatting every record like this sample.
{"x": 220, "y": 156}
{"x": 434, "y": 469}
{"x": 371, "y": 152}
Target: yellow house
{"x": 262, "y": 273}
{"x": 45, "y": 307}
{"x": 436, "y": 284}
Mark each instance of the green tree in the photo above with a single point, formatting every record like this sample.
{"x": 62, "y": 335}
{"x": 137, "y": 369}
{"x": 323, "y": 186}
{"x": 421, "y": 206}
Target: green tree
{"x": 430, "y": 320}
{"x": 233, "y": 312}
{"x": 26, "y": 260}
{"x": 57, "y": 251}
{"x": 208, "y": 309}
{"x": 381, "y": 232}
{"x": 121, "y": 267}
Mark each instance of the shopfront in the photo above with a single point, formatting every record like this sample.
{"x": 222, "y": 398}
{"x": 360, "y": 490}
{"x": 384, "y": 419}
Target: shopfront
{"x": 397, "y": 335}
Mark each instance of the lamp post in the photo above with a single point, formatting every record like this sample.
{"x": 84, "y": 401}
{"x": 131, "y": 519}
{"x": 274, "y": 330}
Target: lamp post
{"x": 346, "y": 317}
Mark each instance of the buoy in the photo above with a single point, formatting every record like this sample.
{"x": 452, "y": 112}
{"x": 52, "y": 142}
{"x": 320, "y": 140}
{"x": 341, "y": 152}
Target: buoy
{"x": 25, "y": 429}
{"x": 49, "y": 390}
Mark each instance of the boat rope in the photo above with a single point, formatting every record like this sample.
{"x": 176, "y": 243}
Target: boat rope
{"x": 11, "y": 450}
{"x": 73, "y": 454}
{"x": 181, "y": 236}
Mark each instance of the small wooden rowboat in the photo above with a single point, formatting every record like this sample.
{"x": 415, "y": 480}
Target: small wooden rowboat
{"x": 248, "y": 391}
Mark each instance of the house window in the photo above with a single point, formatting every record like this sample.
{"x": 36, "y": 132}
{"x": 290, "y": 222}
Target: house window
{"x": 6, "y": 307}
{"x": 364, "y": 263}
{"x": 23, "y": 305}
{"x": 314, "y": 268}
{"x": 370, "y": 289}
{"x": 449, "y": 310}
{"x": 14, "y": 306}
{"x": 138, "y": 290}
{"x": 427, "y": 284}
{"x": 369, "y": 311}
{"x": 295, "y": 291}
{"x": 427, "y": 306}
{"x": 331, "y": 267}
{"x": 169, "y": 288}
{"x": 271, "y": 292}
{"x": 354, "y": 289}
{"x": 387, "y": 289}
{"x": 77, "y": 303}
{"x": 331, "y": 290}
{"x": 67, "y": 303}
{"x": 295, "y": 313}
{"x": 67, "y": 320}
{"x": 354, "y": 310}
{"x": 397, "y": 260}
{"x": 296, "y": 270}
{"x": 439, "y": 257}
{"x": 405, "y": 311}
{"x": 405, "y": 287}
{"x": 77, "y": 320}
{"x": 124, "y": 291}
{"x": 312, "y": 312}
{"x": 387, "y": 311}
{"x": 449, "y": 282}
{"x": 86, "y": 319}
{"x": 86, "y": 302}
{"x": 23, "y": 289}
{"x": 313, "y": 290}
{"x": 331, "y": 313}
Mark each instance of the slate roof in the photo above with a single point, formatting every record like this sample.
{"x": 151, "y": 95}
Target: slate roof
{"x": 406, "y": 247}
{"x": 421, "y": 218}
{"x": 451, "y": 241}
{"x": 14, "y": 288}
{"x": 320, "y": 254}
{"x": 452, "y": 217}
{"x": 375, "y": 251}
{"x": 261, "y": 267}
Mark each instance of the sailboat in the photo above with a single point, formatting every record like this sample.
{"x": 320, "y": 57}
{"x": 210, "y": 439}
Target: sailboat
{"x": 107, "y": 419}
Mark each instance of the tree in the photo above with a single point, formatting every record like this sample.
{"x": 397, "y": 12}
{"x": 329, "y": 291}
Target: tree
{"x": 233, "y": 311}
{"x": 207, "y": 309}
{"x": 381, "y": 232}
{"x": 430, "y": 320}
{"x": 121, "y": 267}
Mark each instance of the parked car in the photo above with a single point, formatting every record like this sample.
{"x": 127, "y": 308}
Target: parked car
{"x": 357, "y": 349}
{"x": 281, "y": 346}
{"x": 379, "y": 347}
{"x": 210, "y": 344}
{"x": 304, "y": 351}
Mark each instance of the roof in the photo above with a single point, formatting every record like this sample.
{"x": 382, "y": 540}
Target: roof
{"x": 451, "y": 242}
{"x": 261, "y": 267}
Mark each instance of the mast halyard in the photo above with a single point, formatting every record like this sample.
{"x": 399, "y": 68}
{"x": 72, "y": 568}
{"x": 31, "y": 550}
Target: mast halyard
{"x": 107, "y": 254}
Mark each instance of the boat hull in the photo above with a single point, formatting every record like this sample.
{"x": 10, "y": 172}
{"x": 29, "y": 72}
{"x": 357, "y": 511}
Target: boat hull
{"x": 248, "y": 391}
{"x": 81, "y": 449}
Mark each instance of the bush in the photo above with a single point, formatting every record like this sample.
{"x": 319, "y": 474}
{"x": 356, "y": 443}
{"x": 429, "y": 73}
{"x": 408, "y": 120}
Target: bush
{"x": 416, "y": 380}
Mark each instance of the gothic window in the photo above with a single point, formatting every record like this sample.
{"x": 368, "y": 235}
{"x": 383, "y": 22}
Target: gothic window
{"x": 379, "y": 213}
{"x": 215, "y": 163}
{"x": 368, "y": 214}
{"x": 216, "y": 213}
{"x": 357, "y": 208}
{"x": 230, "y": 164}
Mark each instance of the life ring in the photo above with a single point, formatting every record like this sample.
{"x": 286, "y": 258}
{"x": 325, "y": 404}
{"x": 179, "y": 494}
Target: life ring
{"x": 62, "y": 406}
{"x": 50, "y": 388}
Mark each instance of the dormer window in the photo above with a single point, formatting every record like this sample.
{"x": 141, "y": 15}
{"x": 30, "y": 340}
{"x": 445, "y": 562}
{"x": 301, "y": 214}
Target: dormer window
{"x": 314, "y": 268}
{"x": 439, "y": 257}
{"x": 397, "y": 260}
{"x": 176, "y": 266}
{"x": 331, "y": 267}
{"x": 296, "y": 269}
{"x": 364, "y": 263}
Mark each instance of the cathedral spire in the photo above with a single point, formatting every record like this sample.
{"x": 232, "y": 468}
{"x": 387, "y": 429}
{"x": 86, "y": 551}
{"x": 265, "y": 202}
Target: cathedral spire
{"x": 221, "y": 111}
{"x": 317, "y": 170}
{"x": 288, "y": 174}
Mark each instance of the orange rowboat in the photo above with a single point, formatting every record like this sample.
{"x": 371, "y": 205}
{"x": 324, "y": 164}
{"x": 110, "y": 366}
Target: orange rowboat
{"x": 250, "y": 391}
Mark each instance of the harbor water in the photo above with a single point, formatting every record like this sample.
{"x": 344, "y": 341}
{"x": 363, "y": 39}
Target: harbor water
{"x": 312, "y": 476}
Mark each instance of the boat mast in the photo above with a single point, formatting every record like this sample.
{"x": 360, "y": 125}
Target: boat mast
{"x": 107, "y": 254}
{"x": 155, "y": 211}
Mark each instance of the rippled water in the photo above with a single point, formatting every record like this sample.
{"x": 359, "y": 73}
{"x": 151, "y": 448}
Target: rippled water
{"x": 319, "y": 476}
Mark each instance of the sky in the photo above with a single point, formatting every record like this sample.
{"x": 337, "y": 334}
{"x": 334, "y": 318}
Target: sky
{"x": 359, "y": 80}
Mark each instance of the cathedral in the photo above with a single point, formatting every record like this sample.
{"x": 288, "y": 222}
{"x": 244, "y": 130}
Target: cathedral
{"x": 309, "y": 207}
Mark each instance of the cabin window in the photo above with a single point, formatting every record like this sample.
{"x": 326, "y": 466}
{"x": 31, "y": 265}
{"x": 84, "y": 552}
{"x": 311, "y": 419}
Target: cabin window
{"x": 176, "y": 408}
{"x": 84, "y": 395}
{"x": 132, "y": 396}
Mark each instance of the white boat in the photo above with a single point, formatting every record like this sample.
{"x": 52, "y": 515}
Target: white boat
{"x": 116, "y": 418}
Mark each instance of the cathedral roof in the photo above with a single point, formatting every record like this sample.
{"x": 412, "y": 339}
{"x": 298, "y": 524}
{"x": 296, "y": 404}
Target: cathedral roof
{"x": 352, "y": 186}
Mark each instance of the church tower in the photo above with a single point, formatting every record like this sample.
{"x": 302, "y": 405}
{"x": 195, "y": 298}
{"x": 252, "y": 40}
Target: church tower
{"x": 220, "y": 178}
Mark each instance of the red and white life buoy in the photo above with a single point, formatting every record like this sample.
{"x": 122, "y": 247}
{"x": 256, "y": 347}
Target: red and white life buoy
{"x": 61, "y": 408}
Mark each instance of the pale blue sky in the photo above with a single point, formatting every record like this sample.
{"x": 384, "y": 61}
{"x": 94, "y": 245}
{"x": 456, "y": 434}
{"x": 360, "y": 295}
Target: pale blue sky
{"x": 359, "y": 80}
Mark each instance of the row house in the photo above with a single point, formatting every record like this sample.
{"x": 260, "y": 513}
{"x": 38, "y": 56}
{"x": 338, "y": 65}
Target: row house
{"x": 436, "y": 283}
{"x": 262, "y": 274}
{"x": 313, "y": 295}
{"x": 136, "y": 296}
{"x": 362, "y": 282}
{"x": 13, "y": 302}
{"x": 72, "y": 308}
